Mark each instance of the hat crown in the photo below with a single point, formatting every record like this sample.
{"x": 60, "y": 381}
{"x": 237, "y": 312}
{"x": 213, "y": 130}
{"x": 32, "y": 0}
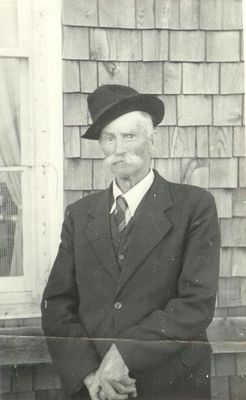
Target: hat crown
{"x": 106, "y": 96}
{"x": 109, "y": 102}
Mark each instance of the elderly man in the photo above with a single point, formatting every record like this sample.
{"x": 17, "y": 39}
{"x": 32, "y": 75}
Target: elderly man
{"x": 133, "y": 287}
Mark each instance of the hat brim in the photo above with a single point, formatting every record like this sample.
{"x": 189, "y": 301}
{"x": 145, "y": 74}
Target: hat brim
{"x": 141, "y": 102}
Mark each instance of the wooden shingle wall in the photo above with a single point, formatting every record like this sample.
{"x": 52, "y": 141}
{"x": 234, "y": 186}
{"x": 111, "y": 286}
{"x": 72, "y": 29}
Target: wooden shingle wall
{"x": 190, "y": 53}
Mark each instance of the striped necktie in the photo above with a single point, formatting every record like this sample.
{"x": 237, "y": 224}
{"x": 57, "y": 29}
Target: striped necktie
{"x": 119, "y": 214}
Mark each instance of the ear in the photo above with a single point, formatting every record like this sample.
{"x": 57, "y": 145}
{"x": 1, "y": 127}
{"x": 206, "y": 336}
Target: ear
{"x": 152, "y": 140}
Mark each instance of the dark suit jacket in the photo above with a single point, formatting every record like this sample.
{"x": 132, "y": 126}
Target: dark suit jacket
{"x": 166, "y": 289}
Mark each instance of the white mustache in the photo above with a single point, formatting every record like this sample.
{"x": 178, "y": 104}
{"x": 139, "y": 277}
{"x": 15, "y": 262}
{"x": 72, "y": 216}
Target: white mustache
{"x": 128, "y": 158}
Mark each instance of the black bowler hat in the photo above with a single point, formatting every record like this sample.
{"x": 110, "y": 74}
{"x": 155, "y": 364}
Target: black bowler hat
{"x": 109, "y": 102}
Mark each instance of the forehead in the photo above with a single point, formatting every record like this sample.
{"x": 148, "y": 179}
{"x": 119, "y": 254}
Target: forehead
{"x": 125, "y": 122}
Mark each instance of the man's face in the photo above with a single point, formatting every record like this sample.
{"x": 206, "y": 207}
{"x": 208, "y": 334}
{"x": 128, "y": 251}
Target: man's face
{"x": 127, "y": 143}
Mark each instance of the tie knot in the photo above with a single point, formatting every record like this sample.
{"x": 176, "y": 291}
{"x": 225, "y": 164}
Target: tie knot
{"x": 122, "y": 203}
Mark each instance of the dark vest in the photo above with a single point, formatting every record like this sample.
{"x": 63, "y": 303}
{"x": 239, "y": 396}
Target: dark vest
{"x": 122, "y": 240}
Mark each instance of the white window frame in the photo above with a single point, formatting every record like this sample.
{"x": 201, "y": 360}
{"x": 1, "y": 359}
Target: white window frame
{"x": 41, "y": 125}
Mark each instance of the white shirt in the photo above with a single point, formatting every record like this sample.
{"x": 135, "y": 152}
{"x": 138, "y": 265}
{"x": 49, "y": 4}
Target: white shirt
{"x": 134, "y": 195}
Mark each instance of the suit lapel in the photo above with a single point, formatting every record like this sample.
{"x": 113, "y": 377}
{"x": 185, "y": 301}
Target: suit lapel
{"x": 99, "y": 235}
{"x": 149, "y": 229}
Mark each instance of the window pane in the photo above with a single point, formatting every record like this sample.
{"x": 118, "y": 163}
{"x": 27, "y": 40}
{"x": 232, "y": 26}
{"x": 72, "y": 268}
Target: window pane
{"x": 8, "y": 23}
{"x": 11, "y": 263}
{"x": 10, "y": 149}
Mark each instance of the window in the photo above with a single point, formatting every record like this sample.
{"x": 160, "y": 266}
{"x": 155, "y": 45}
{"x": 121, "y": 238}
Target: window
{"x": 30, "y": 150}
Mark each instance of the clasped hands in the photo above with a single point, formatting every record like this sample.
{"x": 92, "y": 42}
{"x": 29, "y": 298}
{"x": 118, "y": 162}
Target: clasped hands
{"x": 111, "y": 380}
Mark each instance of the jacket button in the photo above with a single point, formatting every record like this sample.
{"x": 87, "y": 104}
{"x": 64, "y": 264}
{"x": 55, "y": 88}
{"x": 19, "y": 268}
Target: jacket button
{"x": 121, "y": 257}
{"x": 118, "y": 305}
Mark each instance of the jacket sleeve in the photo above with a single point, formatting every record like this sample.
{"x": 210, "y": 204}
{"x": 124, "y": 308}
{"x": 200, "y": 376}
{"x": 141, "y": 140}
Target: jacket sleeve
{"x": 185, "y": 317}
{"x": 73, "y": 355}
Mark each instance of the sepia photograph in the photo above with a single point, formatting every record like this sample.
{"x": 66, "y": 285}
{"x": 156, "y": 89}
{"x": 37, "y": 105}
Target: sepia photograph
{"x": 122, "y": 200}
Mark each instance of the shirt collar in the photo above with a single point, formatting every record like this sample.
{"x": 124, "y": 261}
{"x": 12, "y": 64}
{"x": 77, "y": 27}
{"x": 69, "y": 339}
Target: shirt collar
{"x": 135, "y": 194}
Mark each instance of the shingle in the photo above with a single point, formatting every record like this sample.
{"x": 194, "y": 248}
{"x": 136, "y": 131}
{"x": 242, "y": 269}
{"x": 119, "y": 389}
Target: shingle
{"x": 223, "y": 173}
{"x": 223, "y": 199}
{"x": 232, "y": 78}
{"x": 146, "y": 77}
{"x": 232, "y": 14}
{"x": 88, "y": 76}
{"x": 182, "y": 142}
{"x": 243, "y": 293}
{"x": 226, "y": 262}
{"x": 187, "y": 110}
{"x": 227, "y": 110}
{"x": 113, "y": 45}
{"x": 242, "y": 46}
{"x": 70, "y": 75}
{"x": 90, "y": 149}
{"x": 189, "y": 14}
{"x": 211, "y": 14}
{"x": 48, "y": 395}
{"x": 220, "y": 388}
{"x": 77, "y": 174}
{"x": 233, "y": 232}
{"x": 113, "y": 73}
{"x": 8, "y": 396}
{"x": 238, "y": 387}
{"x": 161, "y": 149}
{"x": 238, "y": 262}
{"x": 236, "y": 311}
{"x": 5, "y": 379}
{"x": 22, "y": 379}
{"x": 239, "y": 141}
{"x": 170, "y": 117}
{"x": 102, "y": 176}
{"x": 71, "y": 196}
{"x": 220, "y": 142}
{"x": 223, "y": 46}
{"x": 155, "y": 45}
{"x": 194, "y": 172}
{"x": 229, "y": 292}
{"x": 145, "y": 14}
{"x": 225, "y": 364}
{"x": 167, "y": 14}
{"x": 171, "y": 78}
{"x": 45, "y": 377}
{"x": 200, "y": 78}
{"x": 202, "y": 141}
{"x": 79, "y": 12}
{"x": 117, "y": 14}
{"x": 242, "y": 172}
{"x": 241, "y": 364}
{"x": 169, "y": 169}
{"x": 72, "y": 142}
{"x": 239, "y": 203}
{"x": 212, "y": 365}
{"x": 25, "y": 396}
{"x": 187, "y": 46}
{"x": 75, "y": 43}
{"x": 75, "y": 109}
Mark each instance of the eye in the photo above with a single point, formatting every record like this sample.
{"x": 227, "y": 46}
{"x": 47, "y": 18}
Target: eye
{"x": 108, "y": 138}
{"x": 130, "y": 136}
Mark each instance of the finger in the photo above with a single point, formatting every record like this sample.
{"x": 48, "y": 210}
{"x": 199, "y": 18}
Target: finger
{"x": 126, "y": 380}
{"x": 111, "y": 394}
{"x": 122, "y": 389}
{"x": 94, "y": 396}
{"x": 102, "y": 395}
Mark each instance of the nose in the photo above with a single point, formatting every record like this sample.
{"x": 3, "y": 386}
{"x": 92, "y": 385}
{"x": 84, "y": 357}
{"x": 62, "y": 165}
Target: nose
{"x": 119, "y": 146}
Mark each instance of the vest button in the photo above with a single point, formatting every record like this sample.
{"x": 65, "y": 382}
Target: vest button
{"x": 121, "y": 257}
{"x": 118, "y": 305}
